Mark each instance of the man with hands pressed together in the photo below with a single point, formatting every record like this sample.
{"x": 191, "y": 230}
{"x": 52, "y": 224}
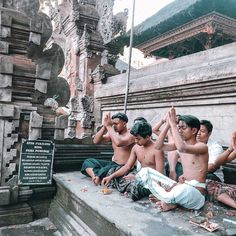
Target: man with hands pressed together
{"x": 114, "y": 130}
{"x": 189, "y": 193}
{"x": 143, "y": 151}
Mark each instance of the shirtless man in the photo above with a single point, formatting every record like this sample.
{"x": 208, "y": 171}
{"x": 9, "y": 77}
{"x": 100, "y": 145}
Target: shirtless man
{"x": 214, "y": 150}
{"x": 222, "y": 192}
{"x": 114, "y": 130}
{"x": 143, "y": 151}
{"x": 189, "y": 193}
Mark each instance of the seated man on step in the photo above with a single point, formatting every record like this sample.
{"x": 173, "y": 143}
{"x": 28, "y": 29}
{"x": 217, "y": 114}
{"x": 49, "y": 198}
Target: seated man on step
{"x": 225, "y": 193}
{"x": 190, "y": 192}
{"x": 114, "y": 130}
{"x": 214, "y": 150}
{"x": 143, "y": 151}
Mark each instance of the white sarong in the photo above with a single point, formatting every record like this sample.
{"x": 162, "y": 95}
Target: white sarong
{"x": 184, "y": 194}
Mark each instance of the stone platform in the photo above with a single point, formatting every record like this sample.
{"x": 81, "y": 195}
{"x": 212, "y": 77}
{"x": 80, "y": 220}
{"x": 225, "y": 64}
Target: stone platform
{"x": 79, "y": 208}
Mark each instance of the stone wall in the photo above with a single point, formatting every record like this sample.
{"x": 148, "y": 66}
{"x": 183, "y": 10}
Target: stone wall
{"x": 201, "y": 84}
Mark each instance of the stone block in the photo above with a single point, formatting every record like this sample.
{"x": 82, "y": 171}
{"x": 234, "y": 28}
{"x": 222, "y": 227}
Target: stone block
{"x": 5, "y": 95}
{"x": 5, "y": 32}
{"x": 61, "y": 122}
{"x": 5, "y": 81}
{"x": 6, "y": 110}
{"x": 6, "y": 19}
{"x": 15, "y": 214}
{"x": 36, "y": 120}
{"x": 35, "y": 126}
{"x": 4, "y": 195}
{"x": 35, "y": 38}
{"x": 59, "y": 134}
{"x": 40, "y": 85}
{"x": 6, "y": 67}
{"x": 43, "y": 71}
{"x": 36, "y": 26}
{"x": 4, "y": 47}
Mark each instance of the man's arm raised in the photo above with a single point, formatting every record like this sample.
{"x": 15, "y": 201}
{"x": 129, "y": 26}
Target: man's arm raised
{"x": 160, "y": 145}
{"x": 123, "y": 170}
{"x": 118, "y": 140}
{"x": 101, "y": 136}
{"x": 198, "y": 148}
{"x": 156, "y": 127}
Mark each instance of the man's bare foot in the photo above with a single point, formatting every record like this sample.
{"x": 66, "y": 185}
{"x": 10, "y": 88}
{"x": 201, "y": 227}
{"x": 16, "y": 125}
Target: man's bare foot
{"x": 165, "y": 206}
{"x": 153, "y": 199}
{"x": 126, "y": 194}
{"x": 96, "y": 180}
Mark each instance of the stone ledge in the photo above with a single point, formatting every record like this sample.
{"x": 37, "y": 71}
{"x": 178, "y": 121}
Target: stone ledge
{"x": 77, "y": 198}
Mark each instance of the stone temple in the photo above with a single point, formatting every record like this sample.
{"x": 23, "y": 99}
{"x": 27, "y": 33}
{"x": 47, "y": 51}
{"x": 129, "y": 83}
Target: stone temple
{"x": 58, "y": 77}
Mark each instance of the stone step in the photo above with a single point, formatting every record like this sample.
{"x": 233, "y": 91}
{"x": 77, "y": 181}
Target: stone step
{"x": 42, "y": 227}
{"x": 79, "y": 208}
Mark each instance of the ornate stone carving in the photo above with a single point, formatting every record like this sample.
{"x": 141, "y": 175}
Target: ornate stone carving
{"x": 119, "y": 23}
{"x": 85, "y": 39}
{"x": 98, "y": 75}
{"x": 105, "y": 24}
{"x": 87, "y": 103}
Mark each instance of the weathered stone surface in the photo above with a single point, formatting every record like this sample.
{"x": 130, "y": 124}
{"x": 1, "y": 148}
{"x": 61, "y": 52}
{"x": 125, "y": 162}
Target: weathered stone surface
{"x": 6, "y": 67}
{"x": 35, "y": 126}
{"x": 5, "y": 32}
{"x": 15, "y": 214}
{"x": 4, "y": 195}
{"x": 43, "y": 71}
{"x": 5, "y": 95}
{"x": 35, "y": 38}
{"x": 61, "y": 123}
{"x": 6, "y": 110}
{"x": 41, "y": 85}
{"x": 5, "y": 81}
{"x": 201, "y": 84}
{"x": 79, "y": 206}
{"x": 4, "y": 47}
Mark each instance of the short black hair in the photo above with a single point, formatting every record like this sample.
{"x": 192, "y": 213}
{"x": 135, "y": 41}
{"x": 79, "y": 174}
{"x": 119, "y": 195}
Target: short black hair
{"x": 120, "y": 116}
{"x": 191, "y": 121}
{"x": 141, "y": 128}
{"x": 207, "y": 124}
{"x": 140, "y": 119}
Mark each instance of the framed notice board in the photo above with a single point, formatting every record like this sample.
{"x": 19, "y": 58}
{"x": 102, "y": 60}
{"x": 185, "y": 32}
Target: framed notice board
{"x": 36, "y": 160}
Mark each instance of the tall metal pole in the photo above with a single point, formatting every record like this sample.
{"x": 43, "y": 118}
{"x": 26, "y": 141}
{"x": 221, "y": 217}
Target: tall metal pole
{"x": 130, "y": 56}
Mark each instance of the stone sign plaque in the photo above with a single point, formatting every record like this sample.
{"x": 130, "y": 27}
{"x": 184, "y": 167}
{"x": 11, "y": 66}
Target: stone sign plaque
{"x": 36, "y": 162}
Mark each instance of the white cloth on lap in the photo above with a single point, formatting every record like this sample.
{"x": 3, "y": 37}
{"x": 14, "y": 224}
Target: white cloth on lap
{"x": 184, "y": 195}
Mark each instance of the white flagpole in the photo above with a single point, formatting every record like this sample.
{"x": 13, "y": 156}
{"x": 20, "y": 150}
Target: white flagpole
{"x": 130, "y": 56}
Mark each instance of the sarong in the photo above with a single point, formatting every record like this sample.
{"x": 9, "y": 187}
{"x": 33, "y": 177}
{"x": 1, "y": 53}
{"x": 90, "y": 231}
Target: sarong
{"x": 100, "y": 167}
{"x": 214, "y": 189}
{"x": 184, "y": 194}
{"x": 134, "y": 189}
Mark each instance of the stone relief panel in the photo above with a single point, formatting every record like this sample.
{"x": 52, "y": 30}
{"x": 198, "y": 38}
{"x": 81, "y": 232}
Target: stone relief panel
{"x": 105, "y": 24}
